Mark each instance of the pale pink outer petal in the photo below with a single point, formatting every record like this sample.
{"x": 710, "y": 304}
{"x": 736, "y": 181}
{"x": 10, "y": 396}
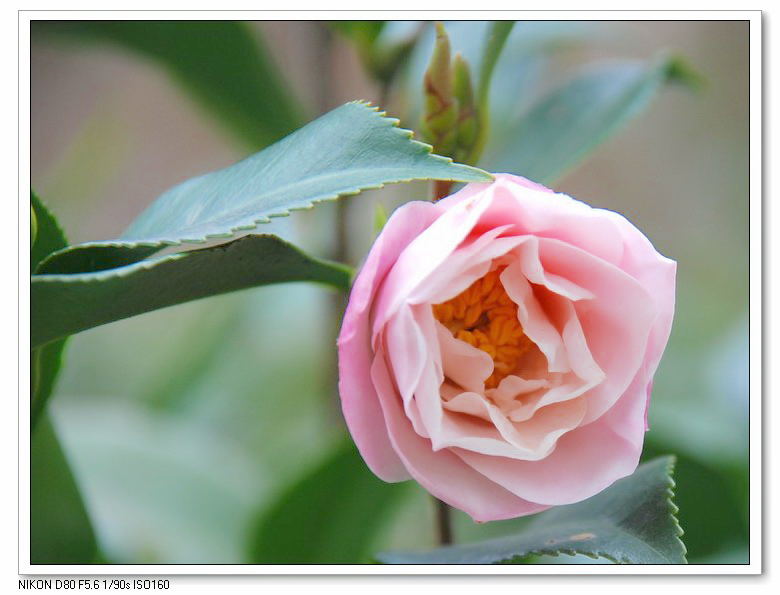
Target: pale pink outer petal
{"x": 359, "y": 400}
{"x": 658, "y": 275}
{"x": 552, "y": 215}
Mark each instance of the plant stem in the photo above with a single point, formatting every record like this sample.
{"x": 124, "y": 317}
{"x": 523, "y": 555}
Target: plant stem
{"x": 440, "y": 189}
{"x": 443, "y": 522}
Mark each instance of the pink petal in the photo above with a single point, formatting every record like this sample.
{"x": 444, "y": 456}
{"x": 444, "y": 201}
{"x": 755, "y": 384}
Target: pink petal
{"x": 442, "y": 473}
{"x": 425, "y": 254}
{"x": 466, "y": 365}
{"x": 359, "y": 402}
{"x": 617, "y": 322}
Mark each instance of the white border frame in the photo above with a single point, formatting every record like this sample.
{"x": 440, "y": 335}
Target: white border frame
{"x": 756, "y": 551}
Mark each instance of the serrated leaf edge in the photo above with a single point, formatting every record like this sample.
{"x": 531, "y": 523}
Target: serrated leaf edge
{"x": 391, "y": 122}
{"x": 50, "y": 212}
{"x": 672, "y": 509}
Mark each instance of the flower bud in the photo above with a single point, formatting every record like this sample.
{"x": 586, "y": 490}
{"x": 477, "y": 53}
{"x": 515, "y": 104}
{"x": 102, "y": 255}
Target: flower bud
{"x": 468, "y": 123}
{"x": 440, "y": 116}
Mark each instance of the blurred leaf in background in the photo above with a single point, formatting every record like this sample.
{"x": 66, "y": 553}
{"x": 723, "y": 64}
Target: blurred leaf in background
{"x": 223, "y": 64}
{"x": 331, "y": 516}
{"x": 60, "y": 529}
{"x": 559, "y": 130}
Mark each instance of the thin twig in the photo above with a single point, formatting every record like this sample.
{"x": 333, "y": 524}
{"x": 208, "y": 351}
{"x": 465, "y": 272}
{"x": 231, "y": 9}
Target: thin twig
{"x": 443, "y": 522}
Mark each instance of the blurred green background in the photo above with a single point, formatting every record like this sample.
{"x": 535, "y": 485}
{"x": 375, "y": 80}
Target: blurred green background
{"x": 182, "y": 426}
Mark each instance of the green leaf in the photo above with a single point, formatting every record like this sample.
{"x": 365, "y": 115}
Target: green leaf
{"x": 497, "y": 36}
{"x": 362, "y": 33}
{"x": 631, "y": 522}
{"x": 60, "y": 531}
{"x": 44, "y": 361}
{"x": 223, "y": 64}
{"x": 49, "y": 236}
{"x": 349, "y": 149}
{"x": 90, "y": 258}
{"x": 382, "y": 55}
{"x": 67, "y": 304}
{"x": 331, "y": 516}
{"x": 345, "y": 151}
{"x": 710, "y": 507}
{"x": 496, "y": 39}
{"x": 563, "y": 127}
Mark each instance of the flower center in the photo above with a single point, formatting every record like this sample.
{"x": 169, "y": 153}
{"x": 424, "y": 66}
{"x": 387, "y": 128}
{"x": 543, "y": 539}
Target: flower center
{"x": 485, "y": 317}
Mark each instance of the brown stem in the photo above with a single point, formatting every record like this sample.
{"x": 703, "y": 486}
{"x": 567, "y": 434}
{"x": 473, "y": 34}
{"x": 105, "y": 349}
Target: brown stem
{"x": 440, "y": 188}
{"x": 443, "y": 522}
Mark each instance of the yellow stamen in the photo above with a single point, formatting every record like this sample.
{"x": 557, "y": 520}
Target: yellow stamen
{"x": 485, "y": 317}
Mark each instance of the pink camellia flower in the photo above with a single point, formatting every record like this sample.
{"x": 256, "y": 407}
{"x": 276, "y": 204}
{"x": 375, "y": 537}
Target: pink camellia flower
{"x": 499, "y": 348}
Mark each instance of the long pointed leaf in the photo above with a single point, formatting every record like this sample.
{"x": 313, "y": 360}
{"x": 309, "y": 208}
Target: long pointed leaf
{"x": 67, "y": 304}
{"x": 223, "y": 64}
{"x": 563, "y": 127}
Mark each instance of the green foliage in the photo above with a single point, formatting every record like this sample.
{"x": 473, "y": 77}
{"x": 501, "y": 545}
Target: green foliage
{"x": 363, "y": 33}
{"x": 44, "y": 361}
{"x": 33, "y": 227}
{"x": 439, "y": 124}
{"x": 562, "y": 128}
{"x": 223, "y": 64}
{"x": 60, "y": 531}
{"x": 468, "y": 114}
{"x": 82, "y": 286}
{"x": 494, "y": 45}
{"x": 350, "y": 149}
{"x": 331, "y": 516}
{"x": 49, "y": 237}
{"x": 381, "y": 58}
{"x": 631, "y": 522}
{"x": 89, "y": 258}
{"x": 455, "y": 118}
{"x": 67, "y": 304}
{"x": 710, "y": 510}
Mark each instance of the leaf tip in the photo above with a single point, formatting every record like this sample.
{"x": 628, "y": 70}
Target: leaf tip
{"x": 678, "y": 69}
